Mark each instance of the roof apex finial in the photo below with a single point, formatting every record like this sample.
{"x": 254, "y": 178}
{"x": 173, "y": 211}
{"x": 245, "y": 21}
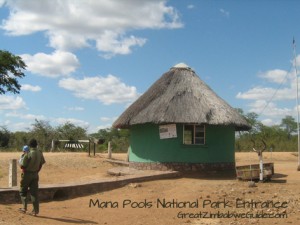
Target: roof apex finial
{"x": 182, "y": 66}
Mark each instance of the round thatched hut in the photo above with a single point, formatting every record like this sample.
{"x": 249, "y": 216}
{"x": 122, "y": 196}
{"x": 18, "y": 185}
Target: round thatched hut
{"x": 179, "y": 123}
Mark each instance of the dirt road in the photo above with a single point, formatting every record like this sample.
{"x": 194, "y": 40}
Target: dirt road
{"x": 191, "y": 199}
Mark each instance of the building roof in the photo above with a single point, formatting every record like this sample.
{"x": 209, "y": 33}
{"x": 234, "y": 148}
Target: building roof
{"x": 180, "y": 96}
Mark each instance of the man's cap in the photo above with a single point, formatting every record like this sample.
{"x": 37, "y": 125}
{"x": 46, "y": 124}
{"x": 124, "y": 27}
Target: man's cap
{"x": 25, "y": 148}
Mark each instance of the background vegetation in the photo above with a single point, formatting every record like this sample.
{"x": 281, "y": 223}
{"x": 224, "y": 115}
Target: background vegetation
{"x": 45, "y": 134}
{"x": 281, "y": 137}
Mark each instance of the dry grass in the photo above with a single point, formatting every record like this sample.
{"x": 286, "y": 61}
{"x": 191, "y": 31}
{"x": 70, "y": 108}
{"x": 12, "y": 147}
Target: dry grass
{"x": 62, "y": 167}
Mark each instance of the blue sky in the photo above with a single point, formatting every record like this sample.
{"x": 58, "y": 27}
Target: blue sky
{"x": 88, "y": 60}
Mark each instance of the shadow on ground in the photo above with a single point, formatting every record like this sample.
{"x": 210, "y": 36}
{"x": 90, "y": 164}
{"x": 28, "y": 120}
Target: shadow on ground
{"x": 69, "y": 220}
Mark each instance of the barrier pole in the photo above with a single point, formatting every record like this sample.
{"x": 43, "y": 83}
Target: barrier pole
{"x": 12, "y": 174}
{"x": 109, "y": 150}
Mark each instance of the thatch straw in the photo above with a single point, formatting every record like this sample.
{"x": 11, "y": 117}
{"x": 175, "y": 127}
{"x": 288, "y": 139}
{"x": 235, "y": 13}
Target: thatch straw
{"x": 180, "y": 96}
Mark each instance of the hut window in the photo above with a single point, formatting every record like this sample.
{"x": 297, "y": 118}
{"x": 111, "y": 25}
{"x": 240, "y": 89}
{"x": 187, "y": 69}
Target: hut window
{"x": 194, "y": 134}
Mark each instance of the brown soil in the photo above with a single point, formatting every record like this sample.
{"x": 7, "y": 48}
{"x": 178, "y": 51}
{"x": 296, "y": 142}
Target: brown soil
{"x": 142, "y": 203}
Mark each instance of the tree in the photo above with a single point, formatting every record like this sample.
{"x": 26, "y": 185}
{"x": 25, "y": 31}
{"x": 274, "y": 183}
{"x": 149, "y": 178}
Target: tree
{"x": 43, "y": 132}
{"x": 4, "y": 137}
{"x": 71, "y": 132}
{"x": 18, "y": 139}
{"x": 11, "y": 67}
{"x": 289, "y": 125}
{"x": 119, "y": 139}
{"x": 252, "y": 119}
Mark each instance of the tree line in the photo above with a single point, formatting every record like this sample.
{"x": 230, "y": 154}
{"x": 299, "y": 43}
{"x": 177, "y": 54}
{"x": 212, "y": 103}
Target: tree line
{"x": 46, "y": 135}
{"x": 282, "y": 137}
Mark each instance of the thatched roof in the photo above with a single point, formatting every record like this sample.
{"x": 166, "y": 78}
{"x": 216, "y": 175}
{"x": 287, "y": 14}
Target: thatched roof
{"x": 180, "y": 96}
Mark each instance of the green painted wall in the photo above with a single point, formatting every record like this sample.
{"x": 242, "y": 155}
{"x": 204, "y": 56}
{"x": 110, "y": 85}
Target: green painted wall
{"x": 146, "y": 146}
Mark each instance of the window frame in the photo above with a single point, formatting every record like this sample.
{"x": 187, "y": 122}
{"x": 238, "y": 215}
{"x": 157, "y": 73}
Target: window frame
{"x": 202, "y": 127}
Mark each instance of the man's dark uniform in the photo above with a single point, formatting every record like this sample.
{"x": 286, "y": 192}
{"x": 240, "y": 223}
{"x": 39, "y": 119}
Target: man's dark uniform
{"x": 31, "y": 165}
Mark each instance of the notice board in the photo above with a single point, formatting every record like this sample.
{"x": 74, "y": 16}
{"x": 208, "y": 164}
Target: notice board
{"x": 167, "y": 131}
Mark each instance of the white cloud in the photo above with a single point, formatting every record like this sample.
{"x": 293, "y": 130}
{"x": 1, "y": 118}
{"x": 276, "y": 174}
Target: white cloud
{"x": 269, "y": 122}
{"x": 76, "y": 108}
{"x": 107, "y": 119}
{"x": 297, "y": 61}
{"x": 76, "y": 122}
{"x": 25, "y": 116}
{"x": 8, "y": 102}
{"x": 103, "y": 127}
{"x": 110, "y": 44}
{"x": 107, "y": 90}
{"x": 21, "y": 126}
{"x": 272, "y": 104}
{"x": 67, "y": 41}
{"x": 266, "y": 93}
{"x": 286, "y": 89}
{"x": 27, "y": 121}
{"x": 224, "y": 12}
{"x": 295, "y": 108}
{"x": 269, "y": 109}
{"x": 28, "y": 87}
{"x": 95, "y": 129}
{"x": 75, "y": 24}
{"x": 191, "y": 6}
{"x": 57, "y": 64}
{"x": 5, "y": 123}
{"x": 2, "y": 2}
{"x": 276, "y": 76}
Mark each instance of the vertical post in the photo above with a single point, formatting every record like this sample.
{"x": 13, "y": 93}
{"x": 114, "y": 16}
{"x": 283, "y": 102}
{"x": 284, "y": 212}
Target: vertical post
{"x": 94, "y": 148}
{"x": 127, "y": 158}
{"x": 52, "y": 145}
{"x": 12, "y": 174}
{"x": 297, "y": 102}
{"x": 261, "y": 167}
{"x": 109, "y": 150}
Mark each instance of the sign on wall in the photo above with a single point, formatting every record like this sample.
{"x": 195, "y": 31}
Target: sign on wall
{"x": 167, "y": 131}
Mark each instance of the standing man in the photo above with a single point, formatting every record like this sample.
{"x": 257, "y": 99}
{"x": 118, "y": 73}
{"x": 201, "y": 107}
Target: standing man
{"x": 31, "y": 165}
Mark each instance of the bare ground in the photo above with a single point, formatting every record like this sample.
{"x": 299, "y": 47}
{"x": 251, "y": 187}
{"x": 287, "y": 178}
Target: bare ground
{"x": 212, "y": 197}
